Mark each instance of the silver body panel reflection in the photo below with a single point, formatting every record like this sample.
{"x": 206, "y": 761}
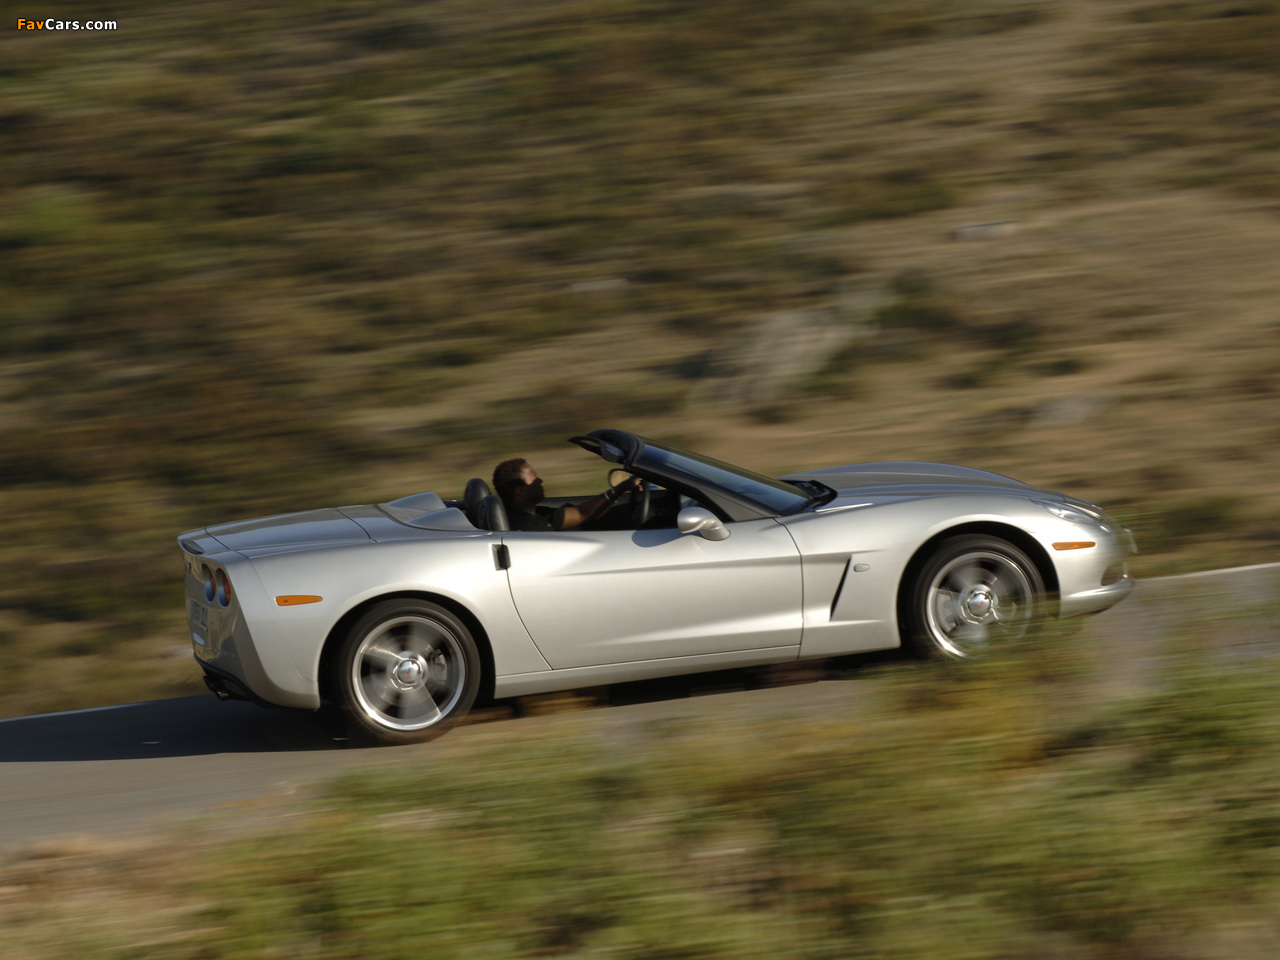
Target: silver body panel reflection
{"x": 713, "y": 568}
{"x": 618, "y": 596}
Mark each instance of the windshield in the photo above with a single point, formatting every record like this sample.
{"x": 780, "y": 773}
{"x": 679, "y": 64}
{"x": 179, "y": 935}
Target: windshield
{"x": 775, "y": 496}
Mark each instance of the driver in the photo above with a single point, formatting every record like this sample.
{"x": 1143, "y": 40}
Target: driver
{"x": 520, "y": 488}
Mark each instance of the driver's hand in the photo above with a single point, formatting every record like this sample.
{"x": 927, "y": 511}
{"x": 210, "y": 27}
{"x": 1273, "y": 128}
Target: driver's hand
{"x": 629, "y": 485}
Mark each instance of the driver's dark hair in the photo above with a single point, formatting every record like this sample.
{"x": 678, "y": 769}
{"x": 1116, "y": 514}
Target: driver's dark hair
{"x": 506, "y": 477}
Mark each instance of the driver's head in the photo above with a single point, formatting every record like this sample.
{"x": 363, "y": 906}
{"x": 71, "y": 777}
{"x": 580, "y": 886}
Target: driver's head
{"x": 517, "y": 483}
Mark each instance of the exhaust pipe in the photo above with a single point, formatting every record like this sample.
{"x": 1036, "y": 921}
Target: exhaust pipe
{"x": 225, "y": 688}
{"x": 218, "y": 687}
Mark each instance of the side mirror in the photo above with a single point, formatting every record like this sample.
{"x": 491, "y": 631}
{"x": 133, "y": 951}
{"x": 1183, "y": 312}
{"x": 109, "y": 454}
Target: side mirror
{"x": 703, "y": 522}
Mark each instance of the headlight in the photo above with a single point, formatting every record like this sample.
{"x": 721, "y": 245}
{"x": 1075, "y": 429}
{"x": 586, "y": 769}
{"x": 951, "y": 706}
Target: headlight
{"x": 1064, "y": 512}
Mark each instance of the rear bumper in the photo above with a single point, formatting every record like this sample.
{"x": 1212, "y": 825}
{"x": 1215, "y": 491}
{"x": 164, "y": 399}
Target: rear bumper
{"x": 228, "y": 686}
{"x": 235, "y": 664}
{"x": 233, "y": 670}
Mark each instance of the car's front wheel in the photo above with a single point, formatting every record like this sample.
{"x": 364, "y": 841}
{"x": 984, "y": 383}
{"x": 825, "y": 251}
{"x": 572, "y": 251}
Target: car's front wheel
{"x": 971, "y": 593}
{"x": 407, "y": 671}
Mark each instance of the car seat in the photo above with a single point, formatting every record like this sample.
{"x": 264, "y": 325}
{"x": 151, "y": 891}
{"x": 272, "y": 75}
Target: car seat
{"x": 472, "y": 498}
{"x": 493, "y": 514}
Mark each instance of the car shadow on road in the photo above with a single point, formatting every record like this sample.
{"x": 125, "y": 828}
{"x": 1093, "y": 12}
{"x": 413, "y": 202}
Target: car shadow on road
{"x": 183, "y": 726}
{"x": 203, "y": 725}
{"x": 710, "y": 683}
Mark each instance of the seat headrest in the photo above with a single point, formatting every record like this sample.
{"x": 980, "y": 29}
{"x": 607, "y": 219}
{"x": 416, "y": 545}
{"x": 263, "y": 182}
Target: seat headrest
{"x": 472, "y": 498}
{"x": 493, "y": 514}
{"x": 476, "y": 491}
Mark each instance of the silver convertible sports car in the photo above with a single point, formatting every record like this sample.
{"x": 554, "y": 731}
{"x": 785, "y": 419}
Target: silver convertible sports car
{"x": 405, "y": 612}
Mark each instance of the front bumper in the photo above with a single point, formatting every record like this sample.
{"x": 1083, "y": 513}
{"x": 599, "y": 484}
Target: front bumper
{"x": 1093, "y": 580}
{"x": 1095, "y": 600}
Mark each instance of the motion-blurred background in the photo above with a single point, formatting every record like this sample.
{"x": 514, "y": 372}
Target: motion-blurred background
{"x": 257, "y": 258}
{"x": 265, "y": 257}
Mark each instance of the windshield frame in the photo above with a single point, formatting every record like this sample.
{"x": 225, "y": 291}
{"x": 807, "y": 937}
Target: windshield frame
{"x": 734, "y": 492}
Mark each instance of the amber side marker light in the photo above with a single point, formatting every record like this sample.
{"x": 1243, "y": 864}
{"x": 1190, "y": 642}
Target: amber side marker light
{"x": 1074, "y": 545}
{"x": 293, "y": 601}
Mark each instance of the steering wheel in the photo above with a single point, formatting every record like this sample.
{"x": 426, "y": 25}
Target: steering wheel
{"x": 640, "y": 499}
{"x": 640, "y": 505}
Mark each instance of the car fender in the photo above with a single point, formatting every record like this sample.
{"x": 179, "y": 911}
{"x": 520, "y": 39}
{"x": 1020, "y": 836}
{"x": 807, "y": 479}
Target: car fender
{"x": 855, "y": 556}
{"x": 349, "y": 576}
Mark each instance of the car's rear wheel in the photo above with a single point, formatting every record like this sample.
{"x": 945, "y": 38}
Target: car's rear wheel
{"x": 970, "y": 594}
{"x": 407, "y": 671}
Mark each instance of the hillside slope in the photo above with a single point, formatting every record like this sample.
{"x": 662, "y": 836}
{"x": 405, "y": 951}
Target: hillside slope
{"x": 265, "y": 260}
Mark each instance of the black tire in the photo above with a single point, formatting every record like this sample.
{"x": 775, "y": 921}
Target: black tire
{"x": 407, "y": 671}
{"x": 972, "y": 593}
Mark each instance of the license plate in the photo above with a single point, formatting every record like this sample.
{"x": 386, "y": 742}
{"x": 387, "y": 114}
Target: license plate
{"x": 199, "y": 616}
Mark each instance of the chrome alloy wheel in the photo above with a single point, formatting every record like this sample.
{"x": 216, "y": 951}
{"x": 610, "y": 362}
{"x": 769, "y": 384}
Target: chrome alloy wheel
{"x": 408, "y": 672}
{"x": 976, "y": 598}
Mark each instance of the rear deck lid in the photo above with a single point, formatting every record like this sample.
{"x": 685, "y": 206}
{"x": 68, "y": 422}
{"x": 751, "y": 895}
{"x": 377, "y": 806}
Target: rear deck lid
{"x": 289, "y": 530}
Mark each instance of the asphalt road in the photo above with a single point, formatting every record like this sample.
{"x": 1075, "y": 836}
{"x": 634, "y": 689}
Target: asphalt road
{"x": 140, "y": 767}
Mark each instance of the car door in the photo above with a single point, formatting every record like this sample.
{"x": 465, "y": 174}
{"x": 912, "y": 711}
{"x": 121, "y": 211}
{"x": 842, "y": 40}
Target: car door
{"x": 621, "y": 596}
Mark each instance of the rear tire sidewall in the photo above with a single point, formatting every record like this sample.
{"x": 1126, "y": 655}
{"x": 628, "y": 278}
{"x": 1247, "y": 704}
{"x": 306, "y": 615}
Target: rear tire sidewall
{"x": 917, "y": 635}
{"x": 364, "y": 722}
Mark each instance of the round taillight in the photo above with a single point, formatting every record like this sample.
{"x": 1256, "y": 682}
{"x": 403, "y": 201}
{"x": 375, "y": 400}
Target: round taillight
{"x": 224, "y": 588}
{"x": 210, "y": 589}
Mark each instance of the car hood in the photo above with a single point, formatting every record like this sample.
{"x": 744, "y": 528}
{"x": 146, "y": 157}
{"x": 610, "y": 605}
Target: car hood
{"x": 289, "y": 530}
{"x": 910, "y": 478}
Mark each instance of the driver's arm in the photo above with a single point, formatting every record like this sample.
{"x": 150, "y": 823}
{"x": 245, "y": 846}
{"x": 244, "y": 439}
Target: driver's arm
{"x": 571, "y": 515}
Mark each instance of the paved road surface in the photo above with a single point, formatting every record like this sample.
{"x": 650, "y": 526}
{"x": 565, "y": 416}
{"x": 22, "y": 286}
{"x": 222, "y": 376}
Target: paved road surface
{"x": 137, "y": 767}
